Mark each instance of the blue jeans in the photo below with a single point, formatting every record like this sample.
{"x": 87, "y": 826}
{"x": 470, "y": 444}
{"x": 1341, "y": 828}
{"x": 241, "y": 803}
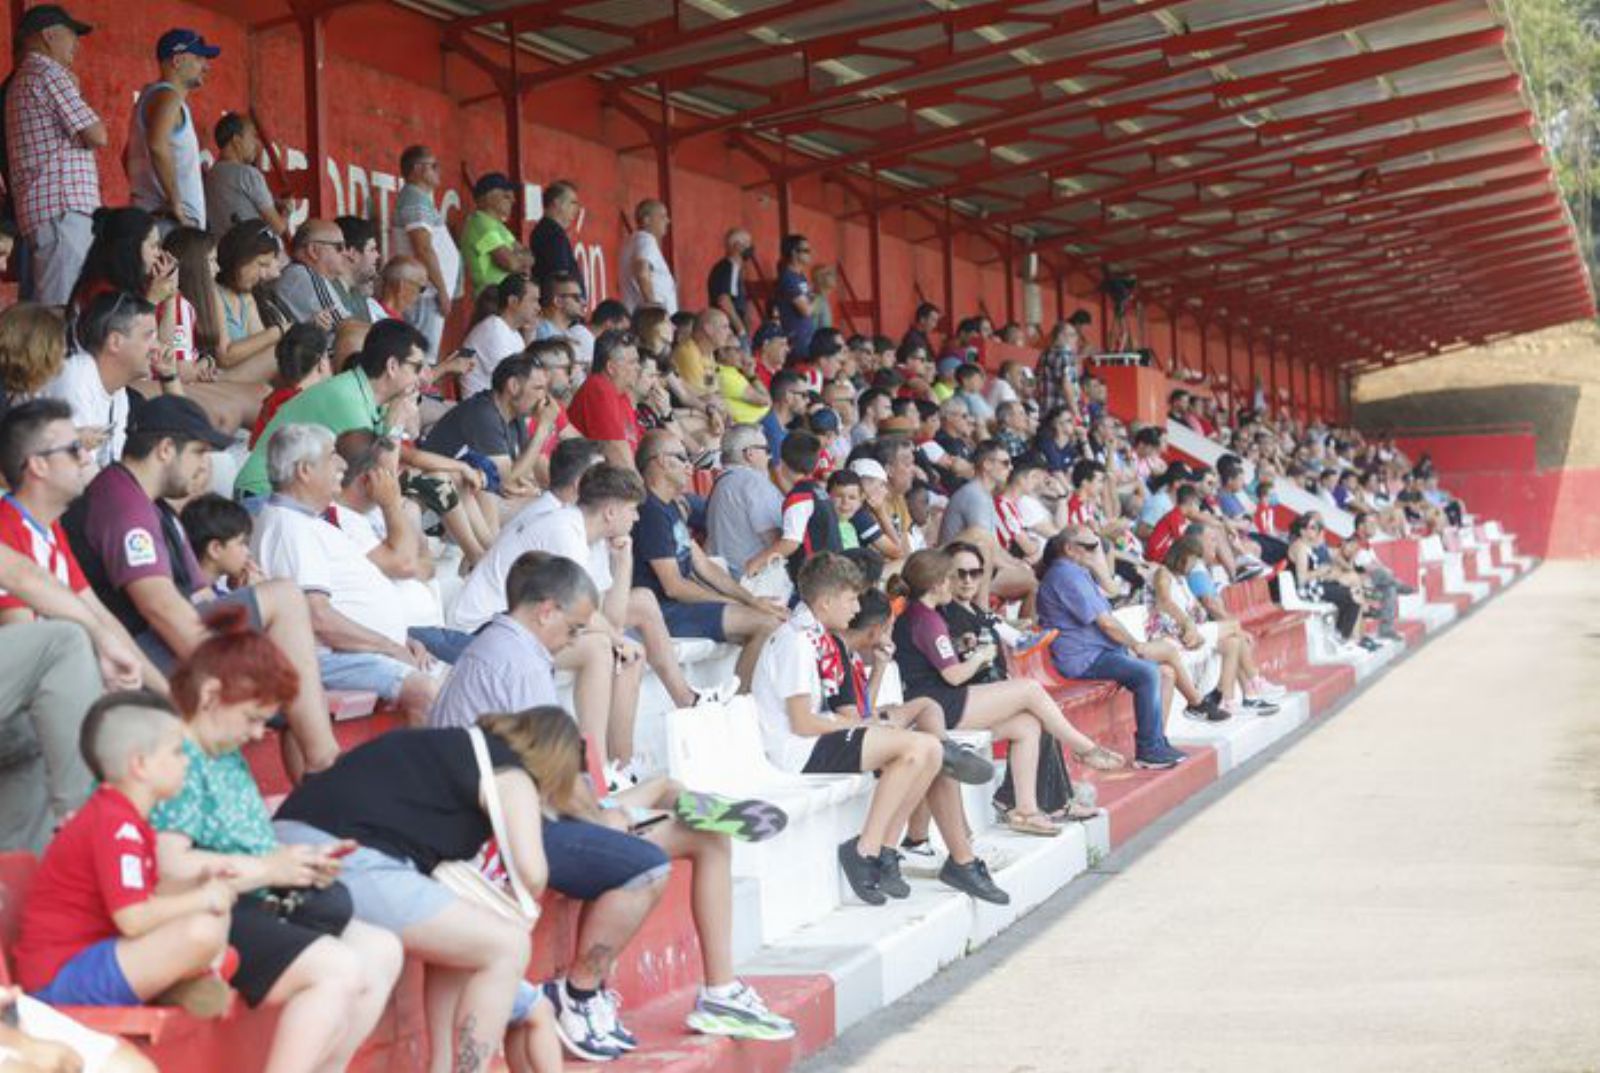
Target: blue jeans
{"x": 445, "y": 645}
{"x": 1143, "y": 679}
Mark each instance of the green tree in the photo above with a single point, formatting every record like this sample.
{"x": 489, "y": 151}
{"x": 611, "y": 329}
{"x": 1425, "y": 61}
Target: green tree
{"x": 1557, "y": 46}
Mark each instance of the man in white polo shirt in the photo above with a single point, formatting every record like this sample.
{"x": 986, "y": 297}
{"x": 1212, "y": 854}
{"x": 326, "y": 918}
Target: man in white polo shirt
{"x": 361, "y": 619}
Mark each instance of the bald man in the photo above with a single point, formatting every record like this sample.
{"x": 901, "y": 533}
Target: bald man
{"x": 725, "y": 283}
{"x": 306, "y": 287}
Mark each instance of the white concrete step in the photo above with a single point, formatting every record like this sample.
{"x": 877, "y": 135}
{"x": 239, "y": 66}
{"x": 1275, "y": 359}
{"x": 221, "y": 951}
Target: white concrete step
{"x": 876, "y": 954}
{"x": 1246, "y": 734}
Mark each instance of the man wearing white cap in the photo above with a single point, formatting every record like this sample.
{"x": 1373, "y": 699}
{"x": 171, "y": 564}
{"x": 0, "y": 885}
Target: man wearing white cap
{"x": 874, "y": 526}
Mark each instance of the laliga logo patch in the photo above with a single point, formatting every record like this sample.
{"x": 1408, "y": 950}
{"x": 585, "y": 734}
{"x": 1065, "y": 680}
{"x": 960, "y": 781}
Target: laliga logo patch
{"x": 139, "y": 548}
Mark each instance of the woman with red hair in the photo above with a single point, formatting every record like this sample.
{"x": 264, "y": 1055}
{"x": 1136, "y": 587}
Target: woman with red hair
{"x": 298, "y": 944}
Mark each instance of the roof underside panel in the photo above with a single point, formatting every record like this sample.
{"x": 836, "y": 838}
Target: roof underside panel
{"x": 1277, "y": 162}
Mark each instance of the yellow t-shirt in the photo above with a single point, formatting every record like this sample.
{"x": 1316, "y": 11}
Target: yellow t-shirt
{"x": 733, "y": 385}
{"x": 692, "y": 364}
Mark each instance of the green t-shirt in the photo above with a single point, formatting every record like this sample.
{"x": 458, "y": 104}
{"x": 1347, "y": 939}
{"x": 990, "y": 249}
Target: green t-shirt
{"x": 482, "y": 235}
{"x": 219, "y": 807}
{"x": 339, "y": 404}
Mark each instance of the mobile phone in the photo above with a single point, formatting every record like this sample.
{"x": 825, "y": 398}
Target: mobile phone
{"x": 343, "y": 849}
{"x": 641, "y": 820}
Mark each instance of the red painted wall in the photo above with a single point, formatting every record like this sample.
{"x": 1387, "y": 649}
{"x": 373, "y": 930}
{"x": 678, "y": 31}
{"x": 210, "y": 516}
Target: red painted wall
{"x": 1551, "y": 511}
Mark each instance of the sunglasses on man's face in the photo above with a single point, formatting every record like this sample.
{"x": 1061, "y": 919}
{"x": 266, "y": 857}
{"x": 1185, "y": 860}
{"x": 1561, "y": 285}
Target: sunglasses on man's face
{"x": 969, "y": 574}
{"x": 1088, "y": 545}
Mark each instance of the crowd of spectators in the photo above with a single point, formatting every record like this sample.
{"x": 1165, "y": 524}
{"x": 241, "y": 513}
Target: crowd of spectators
{"x": 242, "y": 472}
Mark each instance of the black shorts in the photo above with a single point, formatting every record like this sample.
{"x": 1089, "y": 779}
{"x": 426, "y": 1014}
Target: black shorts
{"x": 837, "y": 752}
{"x": 269, "y": 942}
{"x": 952, "y": 700}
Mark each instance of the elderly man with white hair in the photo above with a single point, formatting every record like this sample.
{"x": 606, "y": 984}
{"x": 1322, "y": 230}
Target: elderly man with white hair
{"x": 745, "y": 510}
{"x": 372, "y": 634}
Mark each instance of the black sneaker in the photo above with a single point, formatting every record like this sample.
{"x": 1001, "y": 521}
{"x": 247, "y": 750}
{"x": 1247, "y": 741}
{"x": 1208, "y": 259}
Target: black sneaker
{"x": 862, "y": 873}
{"x": 973, "y": 878}
{"x": 1369, "y": 644}
{"x": 1159, "y": 759}
{"x": 1215, "y": 712}
{"x": 964, "y": 765}
{"x": 1260, "y": 706}
{"x": 890, "y": 881}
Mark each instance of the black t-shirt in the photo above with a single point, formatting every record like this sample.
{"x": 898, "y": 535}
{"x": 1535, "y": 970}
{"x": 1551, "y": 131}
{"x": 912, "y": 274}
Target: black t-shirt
{"x": 412, "y": 794}
{"x": 724, "y": 279}
{"x": 552, "y": 252}
{"x": 477, "y": 424}
{"x": 969, "y": 628}
{"x": 822, "y": 522}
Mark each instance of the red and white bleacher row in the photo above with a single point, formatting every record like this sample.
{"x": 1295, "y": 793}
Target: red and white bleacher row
{"x": 825, "y": 963}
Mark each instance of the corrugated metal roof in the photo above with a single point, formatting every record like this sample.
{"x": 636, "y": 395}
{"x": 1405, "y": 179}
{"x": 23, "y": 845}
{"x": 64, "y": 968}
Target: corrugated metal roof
{"x": 1218, "y": 149}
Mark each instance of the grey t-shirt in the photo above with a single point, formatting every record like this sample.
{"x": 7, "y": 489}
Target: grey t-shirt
{"x": 972, "y": 507}
{"x": 477, "y": 424}
{"x": 743, "y": 515}
{"x": 504, "y": 669}
{"x": 235, "y": 192}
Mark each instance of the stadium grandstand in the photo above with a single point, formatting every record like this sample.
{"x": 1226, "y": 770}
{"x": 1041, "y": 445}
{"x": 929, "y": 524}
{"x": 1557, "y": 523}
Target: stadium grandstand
{"x": 645, "y": 532}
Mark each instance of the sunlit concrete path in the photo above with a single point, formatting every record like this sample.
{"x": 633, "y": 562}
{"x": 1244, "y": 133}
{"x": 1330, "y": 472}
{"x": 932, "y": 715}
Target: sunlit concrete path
{"x": 1412, "y": 885}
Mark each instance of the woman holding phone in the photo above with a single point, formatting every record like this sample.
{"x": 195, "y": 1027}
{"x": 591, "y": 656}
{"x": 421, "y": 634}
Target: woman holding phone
{"x": 299, "y": 947}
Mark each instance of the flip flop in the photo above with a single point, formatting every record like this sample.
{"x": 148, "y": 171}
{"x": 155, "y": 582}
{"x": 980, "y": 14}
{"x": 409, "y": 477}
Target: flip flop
{"x": 748, "y": 821}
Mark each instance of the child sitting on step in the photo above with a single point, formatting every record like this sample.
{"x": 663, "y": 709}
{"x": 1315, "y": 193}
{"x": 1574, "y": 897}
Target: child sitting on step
{"x": 95, "y": 930}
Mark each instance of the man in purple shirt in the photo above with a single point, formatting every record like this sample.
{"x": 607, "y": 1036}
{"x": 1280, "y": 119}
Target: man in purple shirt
{"x": 1091, "y": 644}
{"x": 137, "y": 557}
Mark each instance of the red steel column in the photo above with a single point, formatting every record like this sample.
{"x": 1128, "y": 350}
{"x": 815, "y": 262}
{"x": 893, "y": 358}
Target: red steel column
{"x": 314, "y": 57}
{"x": 663, "y": 142}
{"x": 875, "y": 254}
{"x": 1061, "y": 294}
{"x": 949, "y": 270}
{"x": 1172, "y": 319}
{"x": 1011, "y": 277}
{"x": 512, "y": 99}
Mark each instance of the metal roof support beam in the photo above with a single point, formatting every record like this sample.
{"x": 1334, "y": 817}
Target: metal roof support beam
{"x": 314, "y": 58}
{"x": 1228, "y": 44}
{"x": 1277, "y": 140}
{"x": 1335, "y": 192}
{"x": 948, "y": 245}
{"x": 798, "y": 96}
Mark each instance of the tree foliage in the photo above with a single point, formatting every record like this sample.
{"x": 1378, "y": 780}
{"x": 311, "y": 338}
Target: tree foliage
{"x": 1557, "y": 44}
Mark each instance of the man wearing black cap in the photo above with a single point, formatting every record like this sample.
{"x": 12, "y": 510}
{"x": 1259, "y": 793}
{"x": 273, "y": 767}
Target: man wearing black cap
{"x": 490, "y": 247}
{"x": 163, "y": 154}
{"x": 138, "y": 559}
{"x": 51, "y": 138}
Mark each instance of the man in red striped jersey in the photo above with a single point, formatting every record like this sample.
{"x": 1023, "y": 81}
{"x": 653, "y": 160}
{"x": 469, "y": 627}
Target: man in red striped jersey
{"x": 46, "y": 465}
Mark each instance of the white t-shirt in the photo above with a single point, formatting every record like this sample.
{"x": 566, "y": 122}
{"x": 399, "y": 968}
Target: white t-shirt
{"x": 1001, "y": 391}
{"x": 787, "y": 668}
{"x": 290, "y": 542}
{"x": 367, "y": 531}
{"x": 642, "y": 246}
{"x": 545, "y": 525}
{"x": 495, "y": 341}
{"x": 79, "y": 386}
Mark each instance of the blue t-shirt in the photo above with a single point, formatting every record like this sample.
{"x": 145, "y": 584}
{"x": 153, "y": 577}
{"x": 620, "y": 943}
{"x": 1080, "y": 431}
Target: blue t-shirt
{"x": 796, "y": 325}
{"x": 660, "y": 533}
{"x": 1069, "y": 601}
{"x": 1232, "y": 504}
{"x": 1200, "y": 583}
{"x": 775, "y": 433}
{"x": 1156, "y": 506}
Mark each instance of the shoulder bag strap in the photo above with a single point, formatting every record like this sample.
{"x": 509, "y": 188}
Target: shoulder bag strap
{"x": 491, "y": 798}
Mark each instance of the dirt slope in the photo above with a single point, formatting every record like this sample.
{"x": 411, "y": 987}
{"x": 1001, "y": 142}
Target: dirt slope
{"x": 1550, "y": 379}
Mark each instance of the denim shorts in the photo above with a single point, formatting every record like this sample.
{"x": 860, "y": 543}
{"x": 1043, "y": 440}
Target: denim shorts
{"x": 589, "y": 859}
{"x": 92, "y": 977}
{"x": 366, "y": 672}
{"x": 385, "y": 890}
{"x": 694, "y": 620}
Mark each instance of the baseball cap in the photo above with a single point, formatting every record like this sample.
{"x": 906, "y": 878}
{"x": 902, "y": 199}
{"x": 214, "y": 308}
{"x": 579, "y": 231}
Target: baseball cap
{"x": 177, "y": 416}
{"x": 948, "y": 366}
{"x": 869, "y": 469}
{"x": 766, "y": 333}
{"x": 39, "y": 19}
{"x": 181, "y": 42}
{"x": 490, "y": 181}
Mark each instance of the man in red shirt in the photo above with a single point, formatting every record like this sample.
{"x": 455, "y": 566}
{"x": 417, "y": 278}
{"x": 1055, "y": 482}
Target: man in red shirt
{"x": 602, "y": 409}
{"x": 771, "y": 349}
{"x": 94, "y": 930}
{"x": 46, "y": 466}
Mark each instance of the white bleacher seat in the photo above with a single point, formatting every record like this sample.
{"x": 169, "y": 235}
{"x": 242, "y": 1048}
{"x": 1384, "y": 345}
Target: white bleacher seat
{"x": 1291, "y": 495}
{"x": 718, "y": 748}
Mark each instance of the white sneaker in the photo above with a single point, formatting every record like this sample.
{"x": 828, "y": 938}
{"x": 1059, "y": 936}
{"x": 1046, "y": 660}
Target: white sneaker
{"x": 620, "y": 776}
{"x": 719, "y": 694}
{"x": 741, "y": 1015}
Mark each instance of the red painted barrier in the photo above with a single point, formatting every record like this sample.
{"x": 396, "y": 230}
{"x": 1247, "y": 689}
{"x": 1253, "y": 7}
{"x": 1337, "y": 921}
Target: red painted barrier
{"x": 1476, "y": 452}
